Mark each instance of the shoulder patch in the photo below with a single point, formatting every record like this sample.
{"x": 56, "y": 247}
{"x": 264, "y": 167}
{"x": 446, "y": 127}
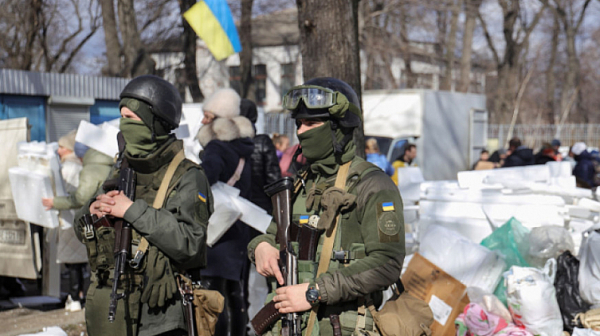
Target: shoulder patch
{"x": 202, "y": 197}
{"x": 387, "y": 206}
{"x": 388, "y": 223}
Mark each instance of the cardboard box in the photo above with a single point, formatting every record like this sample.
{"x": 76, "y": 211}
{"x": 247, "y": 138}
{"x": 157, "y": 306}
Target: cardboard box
{"x": 446, "y": 296}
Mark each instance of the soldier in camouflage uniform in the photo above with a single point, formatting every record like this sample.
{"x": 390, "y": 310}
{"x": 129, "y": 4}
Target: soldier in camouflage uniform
{"x": 176, "y": 232}
{"x": 369, "y": 242}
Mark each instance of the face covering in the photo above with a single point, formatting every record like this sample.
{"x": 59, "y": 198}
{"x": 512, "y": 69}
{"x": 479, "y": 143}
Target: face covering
{"x": 138, "y": 137}
{"x": 317, "y": 147}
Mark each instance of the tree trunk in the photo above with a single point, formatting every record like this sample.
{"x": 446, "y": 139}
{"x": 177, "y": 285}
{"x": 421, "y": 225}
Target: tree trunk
{"x": 137, "y": 62}
{"x": 32, "y": 33}
{"x": 552, "y": 117}
{"x": 111, "y": 39}
{"x": 189, "y": 58}
{"x": 571, "y": 79}
{"x": 246, "y": 53}
{"x": 406, "y": 54}
{"x": 329, "y": 45}
{"x": 471, "y": 8}
{"x": 450, "y": 45}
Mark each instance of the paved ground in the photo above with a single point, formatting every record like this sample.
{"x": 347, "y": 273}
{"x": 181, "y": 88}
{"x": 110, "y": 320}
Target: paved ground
{"x": 28, "y": 321}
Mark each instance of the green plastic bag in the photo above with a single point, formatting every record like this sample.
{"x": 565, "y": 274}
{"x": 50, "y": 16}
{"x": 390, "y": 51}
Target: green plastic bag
{"x": 511, "y": 240}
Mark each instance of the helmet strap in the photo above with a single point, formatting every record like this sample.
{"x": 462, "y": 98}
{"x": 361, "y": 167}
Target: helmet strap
{"x": 152, "y": 128}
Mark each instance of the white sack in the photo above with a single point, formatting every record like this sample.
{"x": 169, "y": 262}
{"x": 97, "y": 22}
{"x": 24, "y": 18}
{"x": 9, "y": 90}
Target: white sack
{"x": 470, "y": 263}
{"x": 28, "y": 189}
{"x": 589, "y": 269}
{"x": 531, "y": 299}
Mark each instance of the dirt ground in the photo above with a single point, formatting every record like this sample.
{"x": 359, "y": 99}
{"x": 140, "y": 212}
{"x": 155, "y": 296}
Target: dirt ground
{"x": 20, "y": 321}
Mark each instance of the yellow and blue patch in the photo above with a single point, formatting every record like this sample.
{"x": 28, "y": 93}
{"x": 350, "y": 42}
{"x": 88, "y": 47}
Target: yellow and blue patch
{"x": 202, "y": 197}
{"x": 304, "y": 219}
{"x": 387, "y": 206}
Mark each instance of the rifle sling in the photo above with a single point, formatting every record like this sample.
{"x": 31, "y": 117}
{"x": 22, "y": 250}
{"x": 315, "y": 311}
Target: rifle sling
{"x": 340, "y": 182}
{"x": 160, "y": 197}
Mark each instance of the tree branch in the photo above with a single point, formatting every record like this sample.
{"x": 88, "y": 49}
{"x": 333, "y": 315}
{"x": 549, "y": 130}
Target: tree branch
{"x": 488, "y": 38}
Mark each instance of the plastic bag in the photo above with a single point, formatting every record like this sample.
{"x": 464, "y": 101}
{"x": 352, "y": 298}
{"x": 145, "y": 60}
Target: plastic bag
{"x": 532, "y": 299}
{"x": 585, "y": 332}
{"x": 468, "y": 262}
{"x": 589, "y": 269}
{"x": 511, "y": 241}
{"x": 567, "y": 289}
{"x": 548, "y": 242}
{"x": 489, "y": 302}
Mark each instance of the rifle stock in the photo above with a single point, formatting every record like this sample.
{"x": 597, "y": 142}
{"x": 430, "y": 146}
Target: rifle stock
{"x": 281, "y": 195}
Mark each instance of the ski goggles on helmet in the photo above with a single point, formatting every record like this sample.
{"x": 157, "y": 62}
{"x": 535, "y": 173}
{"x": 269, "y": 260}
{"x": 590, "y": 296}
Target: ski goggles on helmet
{"x": 314, "y": 97}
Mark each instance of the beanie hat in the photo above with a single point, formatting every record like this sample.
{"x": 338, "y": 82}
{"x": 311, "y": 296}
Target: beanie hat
{"x": 144, "y": 111}
{"x": 555, "y": 143}
{"x": 224, "y": 103}
{"x": 578, "y": 148}
{"x": 248, "y": 110}
{"x": 68, "y": 141}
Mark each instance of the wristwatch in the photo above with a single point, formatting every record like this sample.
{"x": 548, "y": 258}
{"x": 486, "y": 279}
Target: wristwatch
{"x": 312, "y": 294}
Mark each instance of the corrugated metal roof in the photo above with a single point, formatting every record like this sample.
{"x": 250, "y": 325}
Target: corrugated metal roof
{"x": 20, "y": 82}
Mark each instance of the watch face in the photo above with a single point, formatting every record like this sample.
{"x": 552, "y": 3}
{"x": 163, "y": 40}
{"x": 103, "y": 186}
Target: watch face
{"x": 312, "y": 295}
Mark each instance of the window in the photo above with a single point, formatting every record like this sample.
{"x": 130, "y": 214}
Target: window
{"x": 260, "y": 83}
{"x": 235, "y": 79}
{"x": 288, "y": 74}
{"x": 259, "y": 74}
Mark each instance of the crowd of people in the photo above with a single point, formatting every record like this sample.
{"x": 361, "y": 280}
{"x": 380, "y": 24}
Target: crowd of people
{"x": 585, "y": 163}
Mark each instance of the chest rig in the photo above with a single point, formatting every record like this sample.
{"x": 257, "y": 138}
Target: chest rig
{"x": 316, "y": 204}
{"x": 100, "y": 242}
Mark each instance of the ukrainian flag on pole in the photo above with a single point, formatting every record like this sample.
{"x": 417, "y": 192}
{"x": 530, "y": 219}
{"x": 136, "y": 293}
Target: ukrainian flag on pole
{"x": 213, "y": 22}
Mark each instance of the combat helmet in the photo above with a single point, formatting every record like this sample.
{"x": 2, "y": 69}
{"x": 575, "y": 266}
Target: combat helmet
{"x": 163, "y": 98}
{"x": 328, "y": 98}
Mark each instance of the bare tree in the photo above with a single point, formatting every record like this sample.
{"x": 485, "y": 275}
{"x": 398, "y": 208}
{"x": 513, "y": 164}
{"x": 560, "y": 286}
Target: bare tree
{"x": 329, "y": 45}
{"x": 189, "y": 50}
{"x": 570, "y": 19}
{"x": 246, "y": 53}
{"x": 45, "y": 35}
{"x": 111, "y": 39}
{"x": 471, "y": 10}
{"x": 137, "y": 61}
{"x": 450, "y": 44}
{"x": 516, "y": 32}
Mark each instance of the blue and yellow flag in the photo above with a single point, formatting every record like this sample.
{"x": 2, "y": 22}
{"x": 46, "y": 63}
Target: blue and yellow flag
{"x": 213, "y": 22}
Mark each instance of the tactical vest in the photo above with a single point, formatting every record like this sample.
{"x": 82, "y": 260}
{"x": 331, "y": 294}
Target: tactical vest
{"x": 348, "y": 245}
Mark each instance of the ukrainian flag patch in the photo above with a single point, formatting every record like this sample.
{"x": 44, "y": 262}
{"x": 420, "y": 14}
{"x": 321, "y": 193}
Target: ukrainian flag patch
{"x": 387, "y": 206}
{"x": 303, "y": 219}
{"x": 202, "y": 197}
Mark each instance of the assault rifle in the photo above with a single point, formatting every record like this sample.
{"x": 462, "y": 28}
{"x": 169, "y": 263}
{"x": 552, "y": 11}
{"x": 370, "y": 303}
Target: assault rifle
{"x": 126, "y": 184}
{"x": 281, "y": 196}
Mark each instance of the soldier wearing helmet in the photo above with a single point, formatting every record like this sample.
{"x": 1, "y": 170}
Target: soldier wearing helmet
{"x": 368, "y": 249}
{"x": 174, "y": 230}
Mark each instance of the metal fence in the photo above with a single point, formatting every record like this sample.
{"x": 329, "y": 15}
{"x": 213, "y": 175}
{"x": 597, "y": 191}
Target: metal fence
{"x": 534, "y": 136}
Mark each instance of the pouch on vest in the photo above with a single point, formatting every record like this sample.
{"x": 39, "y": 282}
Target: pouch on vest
{"x": 403, "y": 315}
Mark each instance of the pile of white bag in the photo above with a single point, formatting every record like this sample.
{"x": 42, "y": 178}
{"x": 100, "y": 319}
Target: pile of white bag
{"x": 455, "y": 216}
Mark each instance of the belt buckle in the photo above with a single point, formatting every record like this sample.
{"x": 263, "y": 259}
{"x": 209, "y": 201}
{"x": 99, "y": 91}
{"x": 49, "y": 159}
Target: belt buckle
{"x": 341, "y": 256}
{"x": 88, "y": 232}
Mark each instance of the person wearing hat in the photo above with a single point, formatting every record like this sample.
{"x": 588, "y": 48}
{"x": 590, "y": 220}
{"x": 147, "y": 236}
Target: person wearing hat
{"x": 584, "y": 170}
{"x": 369, "y": 239}
{"x": 226, "y": 138}
{"x": 81, "y": 183}
{"x": 174, "y": 229}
